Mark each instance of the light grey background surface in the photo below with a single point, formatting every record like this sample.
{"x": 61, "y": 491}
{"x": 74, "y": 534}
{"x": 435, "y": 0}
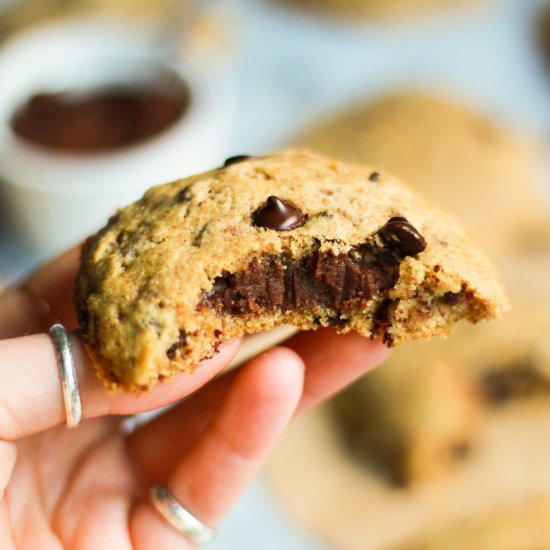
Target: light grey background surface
{"x": 293, "y": 68}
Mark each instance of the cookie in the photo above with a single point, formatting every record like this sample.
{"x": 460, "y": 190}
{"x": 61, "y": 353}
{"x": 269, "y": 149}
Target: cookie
{"x": 376, "y": 9}
{"x": 488, "y": 179}
{"x": 542, "y": 35}
{"x": 411, "y": 423}
{"x": 17, "y": 16}
{"x": 293, "y": 238}
{"x": 526, "y": 527}
{"x": 477, "y": 170}
{"x": 350, "y": 507}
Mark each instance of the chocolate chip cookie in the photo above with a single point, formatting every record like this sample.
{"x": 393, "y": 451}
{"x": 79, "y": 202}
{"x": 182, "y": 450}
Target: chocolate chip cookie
{"x": 294, "y": 238}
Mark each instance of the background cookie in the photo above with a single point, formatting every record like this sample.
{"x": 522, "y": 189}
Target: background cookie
{"x": 410, "y": 422}
{"x": 353, "y": 508}
{"x": 18, "y": 15}
{"x": 488, "y": 179}
{"x": 377, "y": 9}
{"x": 523, "y": 528}
{"x": 475, "y": 169}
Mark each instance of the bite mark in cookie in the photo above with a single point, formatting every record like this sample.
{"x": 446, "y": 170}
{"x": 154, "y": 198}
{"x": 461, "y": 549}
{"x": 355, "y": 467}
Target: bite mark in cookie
{"x": 279, "y": 215}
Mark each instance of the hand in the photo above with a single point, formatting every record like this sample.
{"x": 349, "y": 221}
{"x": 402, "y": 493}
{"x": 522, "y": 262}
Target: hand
{"x": 87, "y": 488}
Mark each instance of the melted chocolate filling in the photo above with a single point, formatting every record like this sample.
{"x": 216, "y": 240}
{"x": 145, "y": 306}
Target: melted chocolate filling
{"x": 341, "y": 283}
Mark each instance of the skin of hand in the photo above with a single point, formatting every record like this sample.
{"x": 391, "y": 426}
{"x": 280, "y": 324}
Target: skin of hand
{"x": 87, "y": 488}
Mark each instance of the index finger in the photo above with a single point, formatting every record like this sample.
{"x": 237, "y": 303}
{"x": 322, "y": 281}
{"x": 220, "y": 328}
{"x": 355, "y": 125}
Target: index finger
{"x": 44, "y": 298}
{"x": 31, "y": 397}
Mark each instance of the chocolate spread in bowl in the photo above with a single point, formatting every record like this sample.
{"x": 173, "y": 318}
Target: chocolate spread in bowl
{"x": 101, "y": 119}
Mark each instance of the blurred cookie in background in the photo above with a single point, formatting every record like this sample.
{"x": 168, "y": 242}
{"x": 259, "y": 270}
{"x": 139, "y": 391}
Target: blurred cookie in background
{"x": 410, "y": 422}
{"x": 526, "y": 527}
{"x": 18, "y": 15}
{"x": 352, "y": 507}
{"x": 542, "y": 34}
{"x": 478, "y": 171}
{"x": 426, "y": 400}
{"x": 377, "y": 9}
{"x": 22, "y": 13}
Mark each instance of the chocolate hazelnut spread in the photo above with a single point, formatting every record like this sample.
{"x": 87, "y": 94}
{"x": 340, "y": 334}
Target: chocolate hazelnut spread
{"x": 342, "y": 283}
{"x": 101, "y": 119}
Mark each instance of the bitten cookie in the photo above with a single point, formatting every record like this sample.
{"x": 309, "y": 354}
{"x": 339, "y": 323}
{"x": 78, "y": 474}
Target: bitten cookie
{"x": 293, "y": 238}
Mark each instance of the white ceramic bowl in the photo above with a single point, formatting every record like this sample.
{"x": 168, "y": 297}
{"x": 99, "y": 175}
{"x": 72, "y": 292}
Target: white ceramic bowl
{"x": 53, "y": 199}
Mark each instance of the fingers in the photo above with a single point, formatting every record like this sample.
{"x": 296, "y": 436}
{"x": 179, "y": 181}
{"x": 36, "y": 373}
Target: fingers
{"x": 157, "y": 449}
{"x": 215, "y": 471}
{"x": 31, "y": 398}
{"x": 23, "y": 312}
{"x": 332, "y": 362}
{"x": 54, "y": 283}
{"x": 45, "y": 298}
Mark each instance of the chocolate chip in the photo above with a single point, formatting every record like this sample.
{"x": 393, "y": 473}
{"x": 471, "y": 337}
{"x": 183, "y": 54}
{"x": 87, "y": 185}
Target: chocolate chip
{"x": 382, "y": 317}
{"x": 278, "y": 215}
{"x": 375, "y": 176}
{"x": 400, "y": 235}
{"x": 460, "y": 450}
{"x": 236, "y": 159}
{"x": 171, "y": 353}
{"x": 453, "y": 298}
{"x": 336, "y": 321}
{"x": 513, "y": 381}
{"x": 184, "y": 195}
{"x": 200, "y": 234}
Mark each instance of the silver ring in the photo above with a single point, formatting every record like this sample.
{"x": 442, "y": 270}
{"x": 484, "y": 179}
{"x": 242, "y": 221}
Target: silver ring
{"x": 69, "y": 383}
{"x": 178, "y": 517}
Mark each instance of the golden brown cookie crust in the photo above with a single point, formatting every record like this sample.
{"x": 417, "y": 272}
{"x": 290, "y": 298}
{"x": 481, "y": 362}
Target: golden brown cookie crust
{"x": 144, "y": 277}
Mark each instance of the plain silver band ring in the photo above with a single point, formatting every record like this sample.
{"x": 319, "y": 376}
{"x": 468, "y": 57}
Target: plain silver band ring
{"x": 69, "y": 383}
{"x": 182, "y": 520}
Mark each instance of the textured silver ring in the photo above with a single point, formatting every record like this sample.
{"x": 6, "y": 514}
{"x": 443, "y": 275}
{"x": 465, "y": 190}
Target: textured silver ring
{"x": 69, "y": 383}
{"x": 178, "y": 517}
